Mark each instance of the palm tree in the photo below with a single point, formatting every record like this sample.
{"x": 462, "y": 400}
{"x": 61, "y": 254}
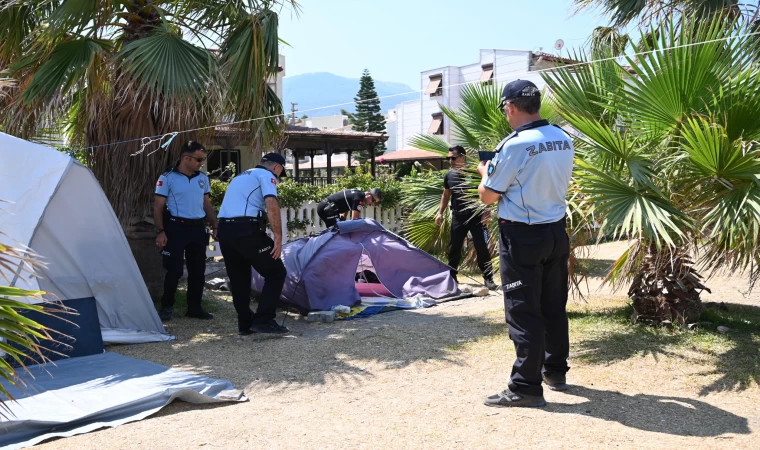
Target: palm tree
{"x": 476, "y": 125}
{"x": 116, "y": 71}
{"x": 668, "y": 158}
{"x": 612, "y": 40}
{"x": 648, "y": 12}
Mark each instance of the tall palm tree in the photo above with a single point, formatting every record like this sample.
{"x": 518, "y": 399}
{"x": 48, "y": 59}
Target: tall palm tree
{"x": 115, "y": 71}
{"x": 668, "y": 158}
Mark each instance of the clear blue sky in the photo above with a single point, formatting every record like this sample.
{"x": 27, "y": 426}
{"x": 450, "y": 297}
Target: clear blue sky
{"x": 397, "y": 39}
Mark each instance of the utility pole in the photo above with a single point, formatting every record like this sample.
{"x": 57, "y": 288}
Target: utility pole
{"x": 293, "y": 113}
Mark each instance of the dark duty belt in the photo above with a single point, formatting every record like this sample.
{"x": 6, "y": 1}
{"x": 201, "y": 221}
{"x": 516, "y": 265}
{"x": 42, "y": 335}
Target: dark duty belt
{"x": 184, "y": 221}
{"x": 239, "y": 219}
{"x": 505, "y": 222}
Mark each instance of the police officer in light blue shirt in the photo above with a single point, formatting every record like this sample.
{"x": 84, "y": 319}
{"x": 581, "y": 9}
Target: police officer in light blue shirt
{"x": 529, "y": 176}
{"x": 183, "y": 193}
{"x": 249, "y": 203}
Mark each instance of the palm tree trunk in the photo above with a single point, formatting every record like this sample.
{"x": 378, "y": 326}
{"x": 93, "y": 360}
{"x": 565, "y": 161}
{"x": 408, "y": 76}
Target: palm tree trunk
{"x": 667, "y": 288}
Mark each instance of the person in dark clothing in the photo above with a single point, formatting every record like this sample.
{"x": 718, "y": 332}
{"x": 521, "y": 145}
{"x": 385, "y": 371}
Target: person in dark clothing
{"x": 184, "y": 191}
{"x": 463, "y": 218}
{"x": 529, "y": 178}
{"x": 353, "y": 200}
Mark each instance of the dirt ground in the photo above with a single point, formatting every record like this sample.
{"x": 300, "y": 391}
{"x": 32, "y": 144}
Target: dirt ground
{"x": 416, "y": 379}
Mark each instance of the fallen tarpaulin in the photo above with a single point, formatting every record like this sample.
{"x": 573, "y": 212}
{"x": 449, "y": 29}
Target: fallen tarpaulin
{"x": 79, "y": 395}
{"x": 370, "y": 306}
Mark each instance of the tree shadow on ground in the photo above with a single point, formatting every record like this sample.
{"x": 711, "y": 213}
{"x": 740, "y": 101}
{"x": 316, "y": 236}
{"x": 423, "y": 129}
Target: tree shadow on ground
{"x": 734, "y": 355}
{"x": 660, "y": 414}
{"x": 344, "y": 352}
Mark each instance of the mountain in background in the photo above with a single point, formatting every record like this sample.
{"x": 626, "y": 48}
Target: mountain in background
{"x": 313, "y": 90}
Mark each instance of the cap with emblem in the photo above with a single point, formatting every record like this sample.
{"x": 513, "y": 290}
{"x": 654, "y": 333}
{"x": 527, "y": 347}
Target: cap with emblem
{"x": 518, "y": 89}
{"x": 275, "y": 158}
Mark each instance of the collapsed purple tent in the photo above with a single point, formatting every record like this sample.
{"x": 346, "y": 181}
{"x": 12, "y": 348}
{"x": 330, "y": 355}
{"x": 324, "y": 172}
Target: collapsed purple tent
{"x": 322, "y": 269}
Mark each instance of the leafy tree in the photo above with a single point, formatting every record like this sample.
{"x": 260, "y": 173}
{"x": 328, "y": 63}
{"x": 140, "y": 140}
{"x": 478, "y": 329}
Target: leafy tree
{"x": 120, "y": 70}
{"x": 368, "y": 117}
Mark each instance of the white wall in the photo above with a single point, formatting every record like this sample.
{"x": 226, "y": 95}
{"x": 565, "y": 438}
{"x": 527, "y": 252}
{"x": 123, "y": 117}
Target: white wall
{"x": 431, "y": 105}
{"x": 276, "y": 84}
{"x": 407, "y": 122}
{"x": 390, "y": 130}
{"x": 510, "y": 65}
{"x": 327, "y": 122}
{"x": 415, "y": 116}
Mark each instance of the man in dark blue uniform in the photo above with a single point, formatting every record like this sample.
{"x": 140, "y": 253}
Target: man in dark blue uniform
{"x": 249, "y": 204}
{"x": 529, "y": 177}
{"x": 464, "y": 219}
{"x": 353, "y": 200}
{"x": 184, "y": 191}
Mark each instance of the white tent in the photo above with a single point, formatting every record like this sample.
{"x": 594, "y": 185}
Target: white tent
{"x": 55, "y": 206}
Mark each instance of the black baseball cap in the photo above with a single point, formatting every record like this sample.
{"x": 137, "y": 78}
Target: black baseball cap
{"x": 276, "y": 158}
{"x": 518, "y": 89}
{"x": 377, "y": 194}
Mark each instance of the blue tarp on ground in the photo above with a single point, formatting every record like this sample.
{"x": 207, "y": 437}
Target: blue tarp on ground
{"x": 79, "y": 395}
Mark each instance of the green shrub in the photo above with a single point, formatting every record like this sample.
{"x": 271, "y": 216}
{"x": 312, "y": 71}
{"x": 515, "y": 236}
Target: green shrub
{"x": 292, "y": 194}
{"x": 361, "y": 179}
{"x": 218, "y": 188}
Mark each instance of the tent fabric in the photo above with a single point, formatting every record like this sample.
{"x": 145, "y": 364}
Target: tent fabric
{"x": 322, "y": 269}
{"x": 80, "y": 395}
{"x": 56, "y": 207}
{"x": 72, "y": 336}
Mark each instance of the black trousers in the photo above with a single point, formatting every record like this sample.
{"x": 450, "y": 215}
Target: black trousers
{"x": 244, "y": 246}
{"x": 186, "y": 243}
{"x": 328, "y": 216}
{"x": 533, "y": 264}
{"x": 461, "y": 224}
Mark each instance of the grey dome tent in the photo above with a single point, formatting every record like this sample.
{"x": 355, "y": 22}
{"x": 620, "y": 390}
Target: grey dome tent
{"x": 55, "y": 206}
{"x": 322, "y": 269}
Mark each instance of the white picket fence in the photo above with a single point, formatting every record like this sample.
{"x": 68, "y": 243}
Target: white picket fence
{"x": 389, "y": 218}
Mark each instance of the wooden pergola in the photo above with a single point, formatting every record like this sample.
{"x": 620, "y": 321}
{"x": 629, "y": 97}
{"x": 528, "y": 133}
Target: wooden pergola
{"x": 311, "y": 142}
{"x": 412, "y": 155}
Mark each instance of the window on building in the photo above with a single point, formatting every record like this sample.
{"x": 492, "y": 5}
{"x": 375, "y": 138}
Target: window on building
{"x": 217, "y": 162}
{"x": 436, "y": 126}
{"x": 486, "y": 77}
{"x": 435, "y": 87}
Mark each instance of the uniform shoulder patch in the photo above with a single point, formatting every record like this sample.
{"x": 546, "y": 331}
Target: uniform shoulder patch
{"x": 273, "y": 181}
{"x": 160, "y": 183}
{"x": 202, "y": 183}
{"x": 492, "y": 167}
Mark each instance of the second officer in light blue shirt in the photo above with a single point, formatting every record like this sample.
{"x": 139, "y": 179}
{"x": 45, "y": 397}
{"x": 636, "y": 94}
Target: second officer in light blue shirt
{"x": 249, "y": 203}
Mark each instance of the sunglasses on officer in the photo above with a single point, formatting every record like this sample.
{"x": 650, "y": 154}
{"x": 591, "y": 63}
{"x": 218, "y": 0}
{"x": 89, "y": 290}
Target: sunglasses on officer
{"x": 200, "y": 160}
